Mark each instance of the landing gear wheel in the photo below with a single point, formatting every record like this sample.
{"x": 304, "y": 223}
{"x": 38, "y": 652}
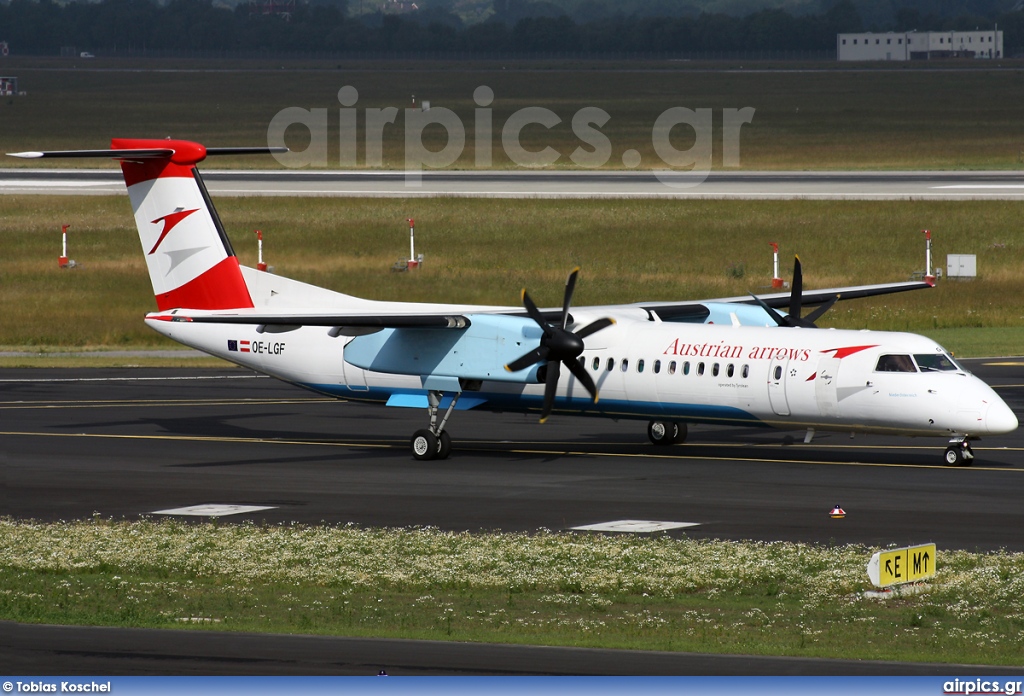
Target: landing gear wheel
{"x": 663, "y": 433}
{"x": 958, "y": 455}
{"x": 424, "y": 445}
{"x": 444, "y": 445}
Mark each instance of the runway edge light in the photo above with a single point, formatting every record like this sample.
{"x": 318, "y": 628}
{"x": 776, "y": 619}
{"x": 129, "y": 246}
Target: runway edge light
{"x": 837, "y": 513}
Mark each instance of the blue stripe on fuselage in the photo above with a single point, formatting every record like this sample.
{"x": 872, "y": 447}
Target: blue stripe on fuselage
{"x": 641, "y": 410}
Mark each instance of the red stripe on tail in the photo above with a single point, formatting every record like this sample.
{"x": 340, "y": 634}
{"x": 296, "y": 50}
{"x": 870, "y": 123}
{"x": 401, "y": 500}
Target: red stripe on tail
{"x": 221, "y": 287}
{"x": 181, "y": 163}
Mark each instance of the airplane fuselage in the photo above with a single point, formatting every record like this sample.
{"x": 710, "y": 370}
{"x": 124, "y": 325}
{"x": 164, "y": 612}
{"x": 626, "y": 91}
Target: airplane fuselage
{"x": 699, "y": 373}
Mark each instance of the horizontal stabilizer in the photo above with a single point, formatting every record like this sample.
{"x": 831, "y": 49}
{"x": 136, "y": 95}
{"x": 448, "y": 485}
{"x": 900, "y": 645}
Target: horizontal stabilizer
{"x": 145, "y": 153}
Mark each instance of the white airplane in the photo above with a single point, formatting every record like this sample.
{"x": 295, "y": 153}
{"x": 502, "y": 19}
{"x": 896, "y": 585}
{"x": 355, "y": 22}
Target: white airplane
{"x": 723, "y": 361}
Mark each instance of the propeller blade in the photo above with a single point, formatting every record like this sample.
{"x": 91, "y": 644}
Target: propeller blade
{"x": 534, "y": 313}
{"x": 776, "y": 317}
{"x": 595, "y": 326}
{"x": 538, "y": 354}
{"x": 550, "y": 385}
{"x": 797, "y": 293}
{"x": 584, "y": 378}
{"x": 570, "y": 288}
{"x": 816, "y": 314}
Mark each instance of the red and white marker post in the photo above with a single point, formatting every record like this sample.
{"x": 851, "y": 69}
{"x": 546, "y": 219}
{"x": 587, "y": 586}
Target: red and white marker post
{"x": 63, "y": 261}
{"x": 413, "y": 261}
{"x": 776, "y": 280}
{"x": 929, "y": 272}
{"x": 260, "y": 266}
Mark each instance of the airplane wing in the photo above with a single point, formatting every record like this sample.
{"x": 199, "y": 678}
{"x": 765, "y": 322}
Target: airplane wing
{"x": 359, "y": 321}
{"x": 691, "y": 311}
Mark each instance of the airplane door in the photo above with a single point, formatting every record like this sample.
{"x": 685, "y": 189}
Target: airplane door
{"x": 777, "y": 386}
{"x": 825, "y": 386}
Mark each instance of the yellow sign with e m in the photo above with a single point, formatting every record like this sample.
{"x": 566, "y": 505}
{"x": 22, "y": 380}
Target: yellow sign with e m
{"x": 898, "y": 566}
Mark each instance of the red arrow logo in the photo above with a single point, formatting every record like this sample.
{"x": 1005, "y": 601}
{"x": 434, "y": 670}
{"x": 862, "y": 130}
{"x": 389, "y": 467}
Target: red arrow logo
{"x": 170, "y": 220}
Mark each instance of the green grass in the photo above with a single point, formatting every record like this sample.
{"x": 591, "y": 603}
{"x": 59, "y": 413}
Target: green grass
{"x": 628, "y": 591}
{"x": 485, "y": 251}
{"x": 821, "y": 118}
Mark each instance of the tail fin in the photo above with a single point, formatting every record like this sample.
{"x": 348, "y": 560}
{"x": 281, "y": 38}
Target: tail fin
{"x": 190, "y": 260}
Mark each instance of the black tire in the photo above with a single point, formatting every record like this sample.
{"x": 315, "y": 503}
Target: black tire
{"x": 444, "y": 445}
{"x": 954, "y": 456}
{"x": 682, "y": 434}
{"x": 424, "y": 445}
{"x": 662, "y": 433}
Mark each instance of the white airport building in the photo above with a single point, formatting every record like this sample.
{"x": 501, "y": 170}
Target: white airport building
{"x": 920, "y": 45}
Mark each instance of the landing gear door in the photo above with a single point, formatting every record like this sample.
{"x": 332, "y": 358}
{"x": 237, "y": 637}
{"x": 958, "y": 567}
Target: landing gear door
{"x": 777, "y": 386}
{"x": 355, "y": 377}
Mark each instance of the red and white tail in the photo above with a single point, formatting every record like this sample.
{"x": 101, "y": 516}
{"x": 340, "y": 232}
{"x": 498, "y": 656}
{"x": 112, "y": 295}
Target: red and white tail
{"x": 190, "y": 260}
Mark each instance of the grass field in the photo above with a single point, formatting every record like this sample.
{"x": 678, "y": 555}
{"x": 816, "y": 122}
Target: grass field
{"x": 814, "y": 117}
{"x": 485, "y": 251}
{"x": 623, "y": 591}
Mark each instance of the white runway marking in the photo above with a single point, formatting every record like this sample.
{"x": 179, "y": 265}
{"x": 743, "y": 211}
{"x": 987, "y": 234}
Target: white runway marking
{"x": 213, "y": 510}
{"x": 981, "y": 186}
{"x": 636, "y": 526}
{"x": 135, "y": 379}
{"x": 51, "y": 183}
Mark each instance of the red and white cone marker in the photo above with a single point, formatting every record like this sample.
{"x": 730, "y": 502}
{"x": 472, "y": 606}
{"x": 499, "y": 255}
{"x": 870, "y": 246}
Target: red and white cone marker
{"x": 837, "y": 513}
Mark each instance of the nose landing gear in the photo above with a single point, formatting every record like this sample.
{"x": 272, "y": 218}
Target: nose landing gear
{"x": 959, "y": 452}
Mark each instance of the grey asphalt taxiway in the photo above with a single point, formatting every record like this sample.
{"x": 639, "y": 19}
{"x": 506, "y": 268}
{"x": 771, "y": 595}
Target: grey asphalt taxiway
{"x": 132, "y": 443}
{"x": 720, "y": 184}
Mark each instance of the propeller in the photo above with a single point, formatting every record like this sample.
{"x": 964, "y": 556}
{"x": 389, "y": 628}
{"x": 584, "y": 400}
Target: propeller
{"x": 796, "y": 302}
{"x": 558, "y": 346}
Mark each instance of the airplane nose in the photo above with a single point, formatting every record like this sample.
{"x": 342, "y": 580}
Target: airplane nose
{"x": 1000, "y": 419}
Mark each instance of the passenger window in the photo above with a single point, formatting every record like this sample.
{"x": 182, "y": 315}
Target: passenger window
{"x": 745, "y": 372}
{"x": 700, "y": 369}
{"x": 895, "y": 363}
{"x": 686, "y": 367}
{"x": 639, "y": 365}
{"x": 778, "y": 372}
{"x": 672, "y": 367}
{"x": 729, "y": 371}
{"x": 714, "y": 370}
{"x": 625, "y": 364}
{"x": 611, "y": 364}
{"x": 597, "y": 364}
{"x": 657, "y": 366}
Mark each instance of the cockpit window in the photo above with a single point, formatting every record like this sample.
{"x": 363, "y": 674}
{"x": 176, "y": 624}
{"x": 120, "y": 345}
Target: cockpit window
{"x": 895, "y": 363}
{"x": 939, "y": 362}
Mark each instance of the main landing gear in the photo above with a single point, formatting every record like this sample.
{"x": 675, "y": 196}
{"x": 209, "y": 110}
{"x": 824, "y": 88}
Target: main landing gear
{"x": 665, "y": 433}
{"x": 434, "y": 442}
{"x": 959, "y": 452}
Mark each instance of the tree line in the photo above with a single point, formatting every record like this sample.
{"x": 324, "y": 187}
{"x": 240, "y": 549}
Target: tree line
{"x": 42, "y": 27}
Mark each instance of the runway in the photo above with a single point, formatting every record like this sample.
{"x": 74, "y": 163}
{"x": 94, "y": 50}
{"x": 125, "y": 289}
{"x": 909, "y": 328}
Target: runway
{"x": 822, "y": 185}
{"x": 130, "y": 443}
